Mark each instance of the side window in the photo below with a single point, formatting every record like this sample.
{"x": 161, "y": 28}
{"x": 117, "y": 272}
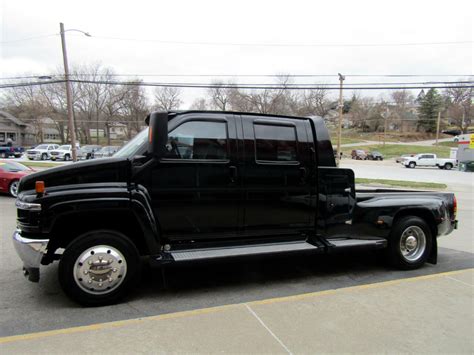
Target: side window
{"x": 275, "y": 143}
{"x": 198, "y": 140}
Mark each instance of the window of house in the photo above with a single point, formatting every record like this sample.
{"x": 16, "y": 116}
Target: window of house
{"x": 12, "y": 136}
{"x": 2, "y": 137}
{"x": 275, "y": 143}
{"x": 198, "y": 140}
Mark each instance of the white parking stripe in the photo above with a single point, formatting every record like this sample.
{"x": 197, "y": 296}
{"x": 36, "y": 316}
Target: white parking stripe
{"x": 268, "y": 329}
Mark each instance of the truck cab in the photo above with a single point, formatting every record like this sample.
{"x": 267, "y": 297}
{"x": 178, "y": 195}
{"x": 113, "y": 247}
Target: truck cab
{"x": 201, "y": 185}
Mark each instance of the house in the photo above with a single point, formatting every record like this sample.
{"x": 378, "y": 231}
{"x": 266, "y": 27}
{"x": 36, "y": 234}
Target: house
{"x": 12, "y": 128}
{"x": 117, "y": 130}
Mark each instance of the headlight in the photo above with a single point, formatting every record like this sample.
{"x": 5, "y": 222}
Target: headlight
{"x": 27, "y": 206}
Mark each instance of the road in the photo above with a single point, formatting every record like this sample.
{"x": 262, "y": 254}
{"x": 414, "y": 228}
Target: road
{"x": 30, "y": 308}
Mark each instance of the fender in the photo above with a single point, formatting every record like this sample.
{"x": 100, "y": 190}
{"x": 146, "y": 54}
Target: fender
{"x": 76, "y": 201}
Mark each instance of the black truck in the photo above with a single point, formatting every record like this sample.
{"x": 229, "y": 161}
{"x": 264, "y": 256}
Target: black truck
{"x": 198, "y": 185}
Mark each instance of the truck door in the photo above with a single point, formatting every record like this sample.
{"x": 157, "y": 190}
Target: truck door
{"x": 276, "y": 176}
{"x": 195, "y": 187}
{"x": 336, "y": 200}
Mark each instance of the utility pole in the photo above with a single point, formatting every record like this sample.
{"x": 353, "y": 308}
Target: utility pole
{"x": 437, "y": 127}
{"x": 72, "y": 130}
{"x": 385, "y": 116}
{"x": 341, "y": 105}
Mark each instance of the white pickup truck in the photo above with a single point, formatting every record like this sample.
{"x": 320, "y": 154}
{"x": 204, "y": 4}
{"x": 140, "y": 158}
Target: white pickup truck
{"x": 428, "y": 159}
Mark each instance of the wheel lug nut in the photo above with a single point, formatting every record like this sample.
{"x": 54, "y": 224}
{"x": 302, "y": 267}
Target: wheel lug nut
{"x": 100, "y": 284}
{"x": 86, "y": 272}
{"x": 90, "y": 281}
{"x": 114, "y": 270}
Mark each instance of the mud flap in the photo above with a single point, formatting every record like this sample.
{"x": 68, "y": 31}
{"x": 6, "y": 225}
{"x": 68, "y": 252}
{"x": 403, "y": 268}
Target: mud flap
{"x": 433, "y": 258}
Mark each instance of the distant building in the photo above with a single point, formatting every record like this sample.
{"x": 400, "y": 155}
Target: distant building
{"x": 12, "y": 128}
{"x": 117, "y": 130}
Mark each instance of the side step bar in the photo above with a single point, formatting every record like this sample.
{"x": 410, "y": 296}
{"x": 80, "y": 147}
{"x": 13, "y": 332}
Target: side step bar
{"x": 321, "y": 245}
{"x": 244, "y": 250}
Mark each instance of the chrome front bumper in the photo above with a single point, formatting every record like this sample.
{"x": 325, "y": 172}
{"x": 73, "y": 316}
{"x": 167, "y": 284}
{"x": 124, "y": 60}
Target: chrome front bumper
{"x": 31, "y": 252}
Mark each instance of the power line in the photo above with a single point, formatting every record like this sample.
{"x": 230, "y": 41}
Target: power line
{"x": 241, "y": 44}
{"x": 29, "y": 38}
{"x": 446, "y": 85}
{"x": 247, "y": 75}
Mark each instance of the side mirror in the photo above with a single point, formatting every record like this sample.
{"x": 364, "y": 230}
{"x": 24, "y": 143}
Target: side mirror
{"x": 157, "y": 133}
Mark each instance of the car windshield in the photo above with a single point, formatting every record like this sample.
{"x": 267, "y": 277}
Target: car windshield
{"x": 12, "y": 166}
{"x": 42, "y": 146}
{"x": 132, "y": 148}
{"x": 64, "y": 147}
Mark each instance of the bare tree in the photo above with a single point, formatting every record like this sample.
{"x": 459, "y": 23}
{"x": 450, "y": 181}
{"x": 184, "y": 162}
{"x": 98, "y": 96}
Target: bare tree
{"x": 400, "y": 108}
{"x": 167, "y": 98}
{"x": 314, "y": 102}
{"x": 199, "y": 104}
{"x": 220, "y": 96}
{"x": 459, "y": 102}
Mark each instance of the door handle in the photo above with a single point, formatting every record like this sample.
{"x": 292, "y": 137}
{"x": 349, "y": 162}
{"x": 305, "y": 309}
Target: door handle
{"x": 302, "y": 174}
{"x": 233, "y": 173}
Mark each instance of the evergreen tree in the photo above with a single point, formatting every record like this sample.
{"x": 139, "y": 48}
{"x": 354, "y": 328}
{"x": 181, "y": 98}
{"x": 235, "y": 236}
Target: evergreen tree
{"x": 430, "y": 104}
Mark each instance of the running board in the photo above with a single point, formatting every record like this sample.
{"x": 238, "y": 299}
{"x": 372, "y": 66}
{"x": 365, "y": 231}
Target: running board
{"x": 344, "y": 244}
{"x": 244, "y": 250}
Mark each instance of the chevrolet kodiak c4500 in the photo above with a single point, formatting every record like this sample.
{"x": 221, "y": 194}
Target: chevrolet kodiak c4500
{"x": 206, "y": 185}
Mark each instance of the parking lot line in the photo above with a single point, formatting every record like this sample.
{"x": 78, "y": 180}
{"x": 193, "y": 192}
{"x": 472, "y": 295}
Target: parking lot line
{"x": 123, "y": 323}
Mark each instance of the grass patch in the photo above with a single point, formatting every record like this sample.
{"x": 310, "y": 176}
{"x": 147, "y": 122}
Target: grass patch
{"x": 39, "y": 164}
{"x": 395, "y": 150}
{"x": 401, "y": 183}
{"x": 447, "y": 144}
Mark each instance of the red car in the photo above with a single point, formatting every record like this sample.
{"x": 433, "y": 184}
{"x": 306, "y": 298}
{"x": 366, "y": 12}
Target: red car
{"x": 10, "y": 173}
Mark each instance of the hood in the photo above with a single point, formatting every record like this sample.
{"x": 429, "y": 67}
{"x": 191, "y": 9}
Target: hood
{"x": 104, "y": 170}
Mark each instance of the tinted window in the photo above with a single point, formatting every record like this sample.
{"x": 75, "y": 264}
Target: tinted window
{"x": 198, "y": 140}
{"x": 275, "y": 143}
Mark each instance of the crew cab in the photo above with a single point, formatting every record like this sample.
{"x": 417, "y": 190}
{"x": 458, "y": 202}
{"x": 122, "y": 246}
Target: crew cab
{"x": 201, "y": 185}
{"x": 41, "y": 152}
{"x": 428, "y": 159}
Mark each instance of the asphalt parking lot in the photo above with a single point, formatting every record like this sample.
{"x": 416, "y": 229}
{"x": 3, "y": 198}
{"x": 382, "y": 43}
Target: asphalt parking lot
{"x": 30, "y": 308}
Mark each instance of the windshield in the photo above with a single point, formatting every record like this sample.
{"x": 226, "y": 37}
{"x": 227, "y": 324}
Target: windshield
{"x": 134, "y": 146}
{"x": 42, "y": 146}
{"x": 64, "y": 147}
{"x": 12, "y": 166}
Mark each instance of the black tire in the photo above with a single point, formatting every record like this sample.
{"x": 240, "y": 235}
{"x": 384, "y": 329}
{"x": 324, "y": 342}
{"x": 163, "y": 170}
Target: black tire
{"x": 448, "y": 166}
{"x": 44, "y": 156}
{"x": 67, "y": 157}
{"x": 440, "y": 167}
{"x": 70, "y": 264}
{"x": 396, "y": 246}
{"x": 3, "y": 155}
{"x": 412, "y": 165}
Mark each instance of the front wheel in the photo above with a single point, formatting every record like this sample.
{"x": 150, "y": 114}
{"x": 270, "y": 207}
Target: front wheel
{"x": 99, "y": 268}
{"x": 13, "y": 189}
{"x": 44, "y": 156}
{"x": 412, "y": 165}
{"x": 410, "y": 243}
{"x": 67, "y": 157}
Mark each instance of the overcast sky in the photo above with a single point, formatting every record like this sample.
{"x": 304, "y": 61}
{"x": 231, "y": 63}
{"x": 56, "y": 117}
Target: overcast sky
{"x": 141, "y": 25}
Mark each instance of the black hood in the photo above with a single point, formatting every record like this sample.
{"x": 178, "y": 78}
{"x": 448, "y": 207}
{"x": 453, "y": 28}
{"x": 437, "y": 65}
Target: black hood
{"x": 93, "y": 171}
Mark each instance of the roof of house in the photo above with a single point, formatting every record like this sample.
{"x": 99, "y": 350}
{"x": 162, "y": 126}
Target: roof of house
{"x": 12, "y": 118}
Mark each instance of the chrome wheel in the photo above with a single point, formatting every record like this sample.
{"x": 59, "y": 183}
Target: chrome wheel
{"x": 100, "y": 270}
{"x": 14, "y": 188}
{"x": 413, "y": 243}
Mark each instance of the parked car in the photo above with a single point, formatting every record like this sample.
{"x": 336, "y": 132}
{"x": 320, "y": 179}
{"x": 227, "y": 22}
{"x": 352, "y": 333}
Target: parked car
{"x": 10, "y": 174}
{"x": 106, "y": 151}
{"x": 64, "y": 152}
{"x": 271, "y": 188}
{"x": 88, "y": 151}
{"x": 466, "y": 166}
{"x": 7, "y": 151}
{"x": 41, "y": 152}
{"x": 428, "y": 159}
{"x": 359, "y": 154}
{"x": 374, "y": 156}
{"x": 402, "y": 157}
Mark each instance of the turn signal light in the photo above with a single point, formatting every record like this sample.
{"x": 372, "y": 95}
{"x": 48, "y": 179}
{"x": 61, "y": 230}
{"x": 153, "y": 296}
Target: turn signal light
{"x": 39, "y": 187}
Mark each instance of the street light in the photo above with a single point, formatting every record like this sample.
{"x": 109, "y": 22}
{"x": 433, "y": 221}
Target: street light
{"x": 72, "y": 131}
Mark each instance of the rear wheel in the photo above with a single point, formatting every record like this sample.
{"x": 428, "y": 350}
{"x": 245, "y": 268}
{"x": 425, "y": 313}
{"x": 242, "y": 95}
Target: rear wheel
{"x": 67, "y": 157}
{"x": 410, "y": 243}
{"x": 448, "y": 166}
{"x": 44, "y": 156}
{"x": 13, "y": 189}
{"x": 99, "y": 268}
